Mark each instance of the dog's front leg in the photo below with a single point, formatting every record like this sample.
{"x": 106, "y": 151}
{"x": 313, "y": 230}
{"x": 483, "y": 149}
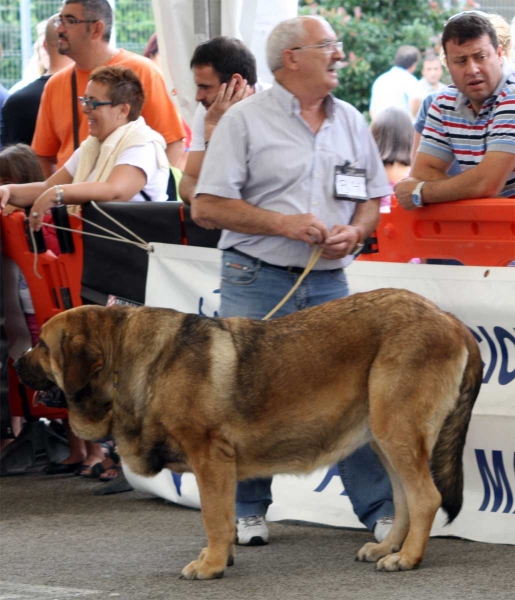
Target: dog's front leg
{"x": 215, "y": 469}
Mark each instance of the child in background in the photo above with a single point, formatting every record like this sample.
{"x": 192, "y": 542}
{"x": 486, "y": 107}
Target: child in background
{"x": 19, "y": 164}
{"x": 393, "y": 132}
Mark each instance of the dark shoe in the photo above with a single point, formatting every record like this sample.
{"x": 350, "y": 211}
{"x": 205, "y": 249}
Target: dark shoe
{"x": 115, "y": 486}
{"x": 62, "y": 468}
{"x": 97, "y": 470}
{"x": 87, "y": 471}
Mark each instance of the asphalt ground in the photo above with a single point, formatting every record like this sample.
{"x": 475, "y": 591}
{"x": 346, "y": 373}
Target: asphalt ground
{"x": 59, "y": 541}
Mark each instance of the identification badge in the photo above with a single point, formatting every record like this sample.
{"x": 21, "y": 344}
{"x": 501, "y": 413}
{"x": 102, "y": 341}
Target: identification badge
{"x": 350, "y": 183}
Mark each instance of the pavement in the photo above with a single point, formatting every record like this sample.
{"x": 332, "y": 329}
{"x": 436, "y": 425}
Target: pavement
{"x": 59, "y": 541}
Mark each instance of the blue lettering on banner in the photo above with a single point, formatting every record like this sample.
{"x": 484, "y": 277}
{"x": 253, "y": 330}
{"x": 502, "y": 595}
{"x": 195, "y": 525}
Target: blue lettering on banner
{"x": 332, "y": 472}
{"x": 201, "y": 304}
{"x": 500, "y": 355}
{"x": 497, "y": 482}
{"x": 177, "y": 481}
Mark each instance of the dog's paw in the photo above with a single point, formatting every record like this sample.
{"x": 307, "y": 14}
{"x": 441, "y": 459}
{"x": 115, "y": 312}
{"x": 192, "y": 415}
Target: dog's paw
{"x": 397, "y": 562}
{"x": 198, "y": 569}
{"x": 372, "y": 552}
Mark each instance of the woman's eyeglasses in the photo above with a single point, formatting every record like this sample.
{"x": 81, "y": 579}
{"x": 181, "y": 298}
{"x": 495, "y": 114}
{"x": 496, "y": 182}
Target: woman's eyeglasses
{"x": 91, "y": 104}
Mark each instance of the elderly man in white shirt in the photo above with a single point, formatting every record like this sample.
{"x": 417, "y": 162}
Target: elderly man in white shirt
{"x": 286, "y": 169}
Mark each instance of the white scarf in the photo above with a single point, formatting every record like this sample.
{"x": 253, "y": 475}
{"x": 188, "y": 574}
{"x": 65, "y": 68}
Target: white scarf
{"x": 102, "y": 156}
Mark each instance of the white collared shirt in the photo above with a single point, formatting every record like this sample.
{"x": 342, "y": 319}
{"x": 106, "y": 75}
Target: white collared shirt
{"x": 262, "y": 151}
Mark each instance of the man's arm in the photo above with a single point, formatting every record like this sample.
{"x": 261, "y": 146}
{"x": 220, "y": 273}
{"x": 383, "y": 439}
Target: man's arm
{"x": 344, "y": 238}
{"x": 214, "y": 212}
{"x": 486, "y": 180}
{"x": 175, "y": 153}
{"x": 190, "y": 177}
{"x": 228, "y": 94}
{"x": 428, "y": 167}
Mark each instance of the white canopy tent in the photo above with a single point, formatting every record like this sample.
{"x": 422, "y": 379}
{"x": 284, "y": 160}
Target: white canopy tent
{"x": 183, "y": 24}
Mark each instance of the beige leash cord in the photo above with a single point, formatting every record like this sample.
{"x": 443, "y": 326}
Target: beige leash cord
{"x": 315, "y": 255}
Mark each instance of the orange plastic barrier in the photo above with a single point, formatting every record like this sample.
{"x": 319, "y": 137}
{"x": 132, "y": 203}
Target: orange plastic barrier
{"x": 476, "y": 232}
{"x": 58, "y": 290}
{"x": 60, "y": 285}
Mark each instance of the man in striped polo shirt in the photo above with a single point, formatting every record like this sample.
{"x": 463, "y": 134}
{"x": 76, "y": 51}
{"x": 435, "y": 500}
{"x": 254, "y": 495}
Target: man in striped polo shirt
{"x": 472, "y": 121}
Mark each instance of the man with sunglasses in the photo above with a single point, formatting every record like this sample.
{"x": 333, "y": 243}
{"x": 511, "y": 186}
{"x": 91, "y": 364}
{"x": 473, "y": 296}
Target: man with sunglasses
{"x": 287, "y": 169}
{"x": 84, "y": 30}
{"x": 471, "y": 121}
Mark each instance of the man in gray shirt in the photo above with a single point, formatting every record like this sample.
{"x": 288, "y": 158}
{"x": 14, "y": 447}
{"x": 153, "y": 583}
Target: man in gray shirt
{"x": 286, "y": 169}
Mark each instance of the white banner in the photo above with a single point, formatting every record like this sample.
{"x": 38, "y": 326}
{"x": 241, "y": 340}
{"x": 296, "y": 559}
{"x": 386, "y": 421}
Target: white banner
{"x": 187, "y": 279}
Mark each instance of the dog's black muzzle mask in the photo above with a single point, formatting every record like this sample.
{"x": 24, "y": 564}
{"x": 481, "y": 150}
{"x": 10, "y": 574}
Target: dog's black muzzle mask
{"x": 34, "y": 377}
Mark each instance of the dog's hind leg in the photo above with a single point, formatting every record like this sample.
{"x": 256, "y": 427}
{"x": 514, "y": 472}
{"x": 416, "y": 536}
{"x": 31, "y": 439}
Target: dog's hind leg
{"x": 408, "y": 456}
{"x": 372, "y": 551}
{"x": 213, "y": 464}
{"x": 423, "y": 501}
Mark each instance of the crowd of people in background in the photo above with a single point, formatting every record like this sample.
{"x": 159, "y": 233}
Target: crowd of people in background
{"x": 428, "y": 141}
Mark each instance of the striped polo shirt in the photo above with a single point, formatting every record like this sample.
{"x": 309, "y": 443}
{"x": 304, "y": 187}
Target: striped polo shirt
{"x": 453, "y": 130}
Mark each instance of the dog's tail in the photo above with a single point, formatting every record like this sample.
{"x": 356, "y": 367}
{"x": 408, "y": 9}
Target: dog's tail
{"x": 447, "y": 458}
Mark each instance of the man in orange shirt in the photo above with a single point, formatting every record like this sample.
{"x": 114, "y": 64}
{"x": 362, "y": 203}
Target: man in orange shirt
{"x": 84, "y": 29}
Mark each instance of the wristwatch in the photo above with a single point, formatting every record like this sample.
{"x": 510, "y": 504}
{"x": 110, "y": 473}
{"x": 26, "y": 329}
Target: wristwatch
{"x": 416, "y": 195}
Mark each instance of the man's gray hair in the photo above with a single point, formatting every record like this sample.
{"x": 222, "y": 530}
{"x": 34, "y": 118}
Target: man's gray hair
{"x": 287, "y": 34}
{"x": 96, "y": 10}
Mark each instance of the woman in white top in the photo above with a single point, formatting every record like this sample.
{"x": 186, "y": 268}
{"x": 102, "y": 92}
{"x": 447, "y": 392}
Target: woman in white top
{"x": 121, "y": 160}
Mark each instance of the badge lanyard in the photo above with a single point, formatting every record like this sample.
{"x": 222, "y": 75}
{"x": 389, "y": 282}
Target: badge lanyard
{"x": 350, "y": 181}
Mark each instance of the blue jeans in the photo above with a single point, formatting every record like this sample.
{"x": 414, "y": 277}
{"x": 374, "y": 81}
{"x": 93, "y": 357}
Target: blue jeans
{"x": 251, "y": 288}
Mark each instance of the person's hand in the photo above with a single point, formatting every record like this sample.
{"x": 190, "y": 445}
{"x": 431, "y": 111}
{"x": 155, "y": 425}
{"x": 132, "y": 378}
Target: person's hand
{"x": 342, "y": 239}
{"x": 42, "y": 205}
{"x": 306, "y": 228}
{"x": 403, "y": 190}
{"x": 9, "y": 209}
{"x": 4, "y": 196}
{"x": 226, "y": 97}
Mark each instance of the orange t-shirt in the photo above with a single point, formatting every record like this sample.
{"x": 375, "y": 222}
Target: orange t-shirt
{"x": 54, "y": 127}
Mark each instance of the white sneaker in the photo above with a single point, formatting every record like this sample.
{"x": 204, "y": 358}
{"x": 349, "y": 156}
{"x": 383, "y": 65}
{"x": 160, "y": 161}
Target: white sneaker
{"x": 252, "y": 531}
{"x": 382, "y": 528}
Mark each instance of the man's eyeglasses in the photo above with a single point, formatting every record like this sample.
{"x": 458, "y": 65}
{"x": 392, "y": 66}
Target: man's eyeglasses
{"x": 69, "y": 21}
{"x": 92, "y": 104}
{"x": 328, "y": 47}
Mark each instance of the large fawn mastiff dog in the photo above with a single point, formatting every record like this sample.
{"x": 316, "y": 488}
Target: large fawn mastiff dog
{"x": 233, "y": 399}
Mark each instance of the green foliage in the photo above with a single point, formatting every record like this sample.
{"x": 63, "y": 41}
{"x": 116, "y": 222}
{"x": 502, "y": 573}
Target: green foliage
{"x": 134, "y": 24}
{"x": 371, "y": 31}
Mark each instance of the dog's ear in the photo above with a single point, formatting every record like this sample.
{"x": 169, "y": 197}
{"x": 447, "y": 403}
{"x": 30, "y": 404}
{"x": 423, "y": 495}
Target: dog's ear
{"x": 82, "y": 358}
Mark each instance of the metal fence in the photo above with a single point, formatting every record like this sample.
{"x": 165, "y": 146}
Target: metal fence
{"x": 134, "y": 24}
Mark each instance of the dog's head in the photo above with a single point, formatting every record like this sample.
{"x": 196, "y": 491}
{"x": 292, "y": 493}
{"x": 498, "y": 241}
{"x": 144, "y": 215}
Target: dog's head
{"x": 75, "y": 352}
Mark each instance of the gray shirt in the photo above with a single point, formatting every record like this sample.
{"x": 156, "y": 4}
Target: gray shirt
{"x": 262, "y": 151}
